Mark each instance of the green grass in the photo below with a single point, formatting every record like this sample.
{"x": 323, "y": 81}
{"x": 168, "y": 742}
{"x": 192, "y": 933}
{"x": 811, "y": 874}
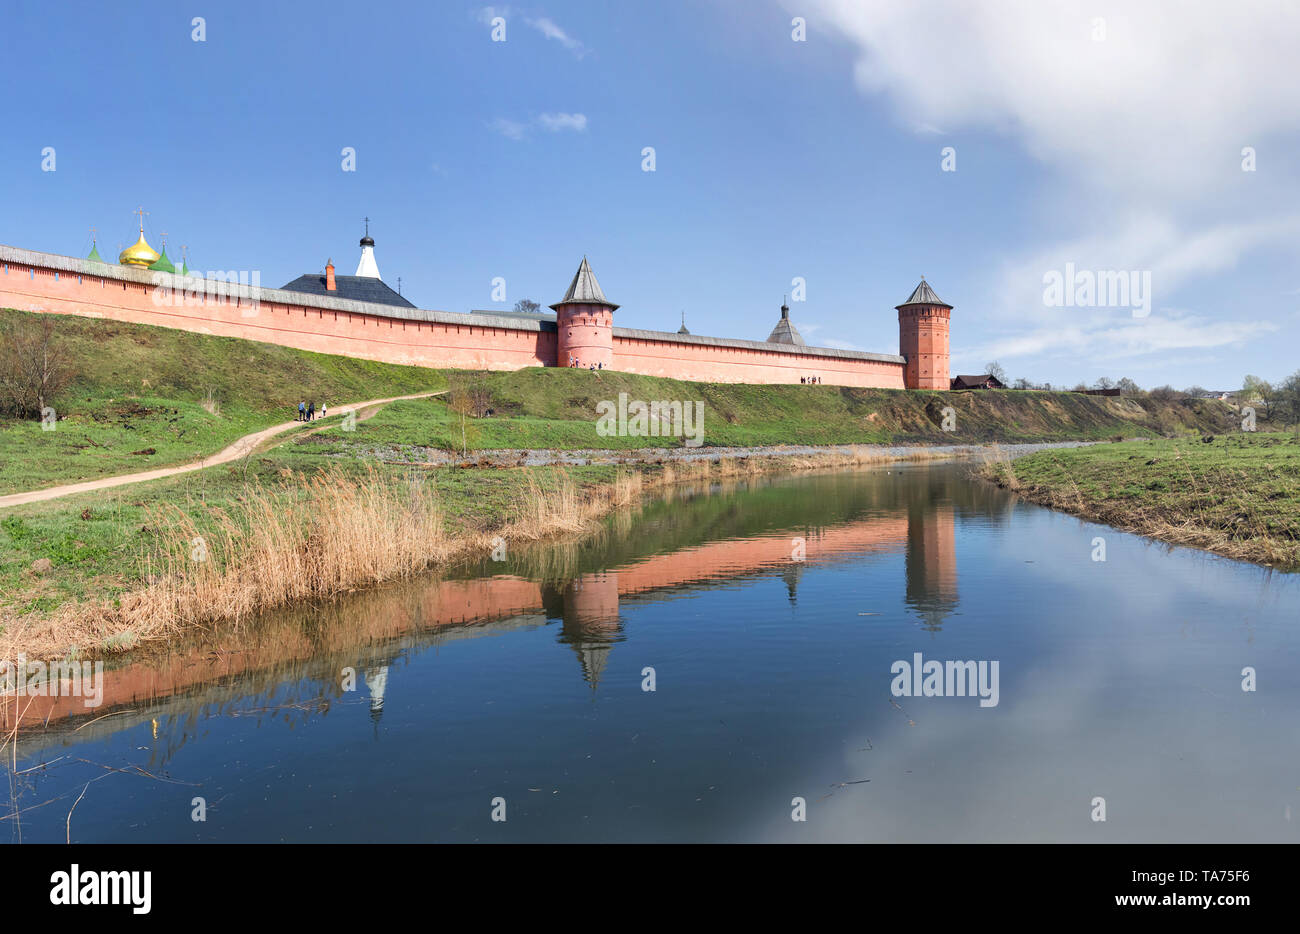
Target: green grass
{"x": 98, "y": 542}
{"x": 139, "y": 388}
{"x": 556, "y": 408}
{"x": 1238, "y": 495}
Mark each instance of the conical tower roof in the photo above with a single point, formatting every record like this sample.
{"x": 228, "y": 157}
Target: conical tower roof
{"x": 924, "y": 295}
{"x": 162, "y": 263}
{"x": 584, "y": 290}
{"x": 785, "y": 332}
{"x": 94, "y": 256}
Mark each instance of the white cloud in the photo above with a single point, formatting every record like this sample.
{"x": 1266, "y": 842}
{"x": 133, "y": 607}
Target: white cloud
{"x": 1167, "y": 100}
{"x": 550, "y": 30}
{"x": 488, "y": 13}
{"x": 1174, "y": 256}
{"x": 562, "y": 121}
{"x": 836, "y": 344}
{"x": 552, "y": 123}
{"x": 1110, "y": 336}
{"x": 510, "y": 129}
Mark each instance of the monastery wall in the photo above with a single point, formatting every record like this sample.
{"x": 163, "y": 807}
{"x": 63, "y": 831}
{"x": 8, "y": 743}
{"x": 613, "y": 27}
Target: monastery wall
{"x": 44, "y": 282}
{"x": 718, "y": 360}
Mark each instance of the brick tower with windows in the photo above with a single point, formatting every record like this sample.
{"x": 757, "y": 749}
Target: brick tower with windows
{"x": 923, "y": 338}
{"x": 584, "y": 322}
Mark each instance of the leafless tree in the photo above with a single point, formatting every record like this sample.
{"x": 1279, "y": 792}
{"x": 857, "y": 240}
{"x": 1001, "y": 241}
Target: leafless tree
{"x": 34, "y": 368}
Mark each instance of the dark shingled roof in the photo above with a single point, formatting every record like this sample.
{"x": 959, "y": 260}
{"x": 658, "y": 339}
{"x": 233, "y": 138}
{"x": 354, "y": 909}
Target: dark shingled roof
{"x": 924, "y": 295}
{"x": 356, "y": 288}
{"x": 584, "y": 290}
{"x": 966, "y": 381}
{"x": 785, "y": 332}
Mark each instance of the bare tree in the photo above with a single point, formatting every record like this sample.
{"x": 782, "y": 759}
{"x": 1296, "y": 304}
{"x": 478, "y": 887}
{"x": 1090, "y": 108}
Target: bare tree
{"x": 995, "y": 370}
{"x": 1127, "y": 387}
{"x": 34, "y": 368}
{"x": 527, "y": 306}
{"x": 469, "y": 398}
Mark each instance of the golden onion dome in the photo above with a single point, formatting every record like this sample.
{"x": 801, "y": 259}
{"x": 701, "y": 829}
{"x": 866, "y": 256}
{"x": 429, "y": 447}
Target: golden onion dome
{"x": 139, "y": 255}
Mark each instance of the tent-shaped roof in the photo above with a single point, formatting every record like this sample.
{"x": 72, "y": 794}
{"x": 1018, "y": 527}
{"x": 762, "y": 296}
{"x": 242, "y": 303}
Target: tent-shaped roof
{"x": 584, "y": 290}
{"x": 784, "y": 332}
{"x": 162, "y": 263}
{"x": 94, "y": 254}
{"x": 924, "y": 295}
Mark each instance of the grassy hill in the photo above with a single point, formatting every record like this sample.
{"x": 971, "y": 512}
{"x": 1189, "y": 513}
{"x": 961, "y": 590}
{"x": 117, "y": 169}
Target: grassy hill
{"x": 149, "y": 397}
{"x": 176, "y": 395}
{"x": 556, "y": 408}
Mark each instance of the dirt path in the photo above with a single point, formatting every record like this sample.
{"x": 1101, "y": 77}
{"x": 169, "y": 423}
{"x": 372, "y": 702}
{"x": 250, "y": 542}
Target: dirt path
{"x": 238, "y": 449}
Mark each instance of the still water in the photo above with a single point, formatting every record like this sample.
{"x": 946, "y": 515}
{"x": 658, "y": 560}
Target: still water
{"x": 769, "y": 615}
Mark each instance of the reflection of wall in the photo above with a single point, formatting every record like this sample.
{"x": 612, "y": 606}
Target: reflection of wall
{"x": 587, "y": 605}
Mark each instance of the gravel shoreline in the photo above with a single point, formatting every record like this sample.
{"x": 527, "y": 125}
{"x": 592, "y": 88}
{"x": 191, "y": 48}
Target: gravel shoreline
{"x": 543, "y": 457}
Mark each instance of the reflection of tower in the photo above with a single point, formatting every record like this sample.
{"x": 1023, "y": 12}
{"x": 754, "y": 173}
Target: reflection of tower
{"x": 791, "y": 574}
{"x": 591, "y": 621}
{"x": 931, "y": 561}
{"x": 377, "y": 683}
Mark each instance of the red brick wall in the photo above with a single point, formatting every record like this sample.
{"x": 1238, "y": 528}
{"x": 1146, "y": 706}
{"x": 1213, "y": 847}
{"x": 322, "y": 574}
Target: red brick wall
{"x": 707, "y": 363}
{"x": 437, "y": 343}
{"x": 370, "y": 337}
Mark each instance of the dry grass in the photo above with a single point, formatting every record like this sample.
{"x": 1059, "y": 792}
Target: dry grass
{"x": 313, "y": 539}
{"x": 211, "y": 403}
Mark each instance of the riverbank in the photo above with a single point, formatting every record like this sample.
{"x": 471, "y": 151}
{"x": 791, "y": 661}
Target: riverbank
{"x": 142, "y": 397}
{"x": 139, "y": 565}
{"x": 1236, "y": 495}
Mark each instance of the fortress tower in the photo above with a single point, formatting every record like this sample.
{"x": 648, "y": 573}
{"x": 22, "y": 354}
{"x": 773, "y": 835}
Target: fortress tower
{"x": 923, "y": 338}
{"x": 584, "y": 321}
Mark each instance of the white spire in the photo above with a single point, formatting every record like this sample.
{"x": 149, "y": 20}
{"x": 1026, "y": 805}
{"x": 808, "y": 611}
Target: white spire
{"x": 368, "y": 266}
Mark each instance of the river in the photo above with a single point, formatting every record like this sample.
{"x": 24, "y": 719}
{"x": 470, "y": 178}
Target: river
{"x": 724, "y": 663}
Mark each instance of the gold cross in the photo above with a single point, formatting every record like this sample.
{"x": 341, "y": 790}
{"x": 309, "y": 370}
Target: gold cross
{"x": 142, "y": 212}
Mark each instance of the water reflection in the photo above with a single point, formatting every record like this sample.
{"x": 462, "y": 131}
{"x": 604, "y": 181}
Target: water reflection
{"x": 523, "y": 678}
{"x": 695, "y": 539}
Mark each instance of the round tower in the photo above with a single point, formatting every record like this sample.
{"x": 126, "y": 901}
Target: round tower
{"x": 923, "y": 338}
{"x": 584, "y": 321}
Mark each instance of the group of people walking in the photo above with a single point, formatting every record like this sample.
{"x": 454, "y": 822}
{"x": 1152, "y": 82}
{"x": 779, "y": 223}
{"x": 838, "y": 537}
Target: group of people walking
{"x": 307, "y": 411}
{"x": 810, "y": 379}
{"x": 575, "y": 362}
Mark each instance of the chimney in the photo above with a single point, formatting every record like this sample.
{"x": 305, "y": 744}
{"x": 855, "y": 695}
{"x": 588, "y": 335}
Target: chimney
{"x": 330, "y": 284}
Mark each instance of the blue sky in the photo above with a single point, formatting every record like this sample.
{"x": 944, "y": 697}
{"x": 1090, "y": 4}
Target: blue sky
{"x": 1117, "y": 149}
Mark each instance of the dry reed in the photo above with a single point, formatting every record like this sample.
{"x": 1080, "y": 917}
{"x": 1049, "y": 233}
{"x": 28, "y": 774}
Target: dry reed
{"x": 315, "y": 538}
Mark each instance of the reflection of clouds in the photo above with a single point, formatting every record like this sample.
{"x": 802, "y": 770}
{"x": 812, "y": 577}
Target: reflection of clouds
{"x": 377, "y": 684}
{"x": 1151, "y": 576}
{"x": 1120, "y": 705}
